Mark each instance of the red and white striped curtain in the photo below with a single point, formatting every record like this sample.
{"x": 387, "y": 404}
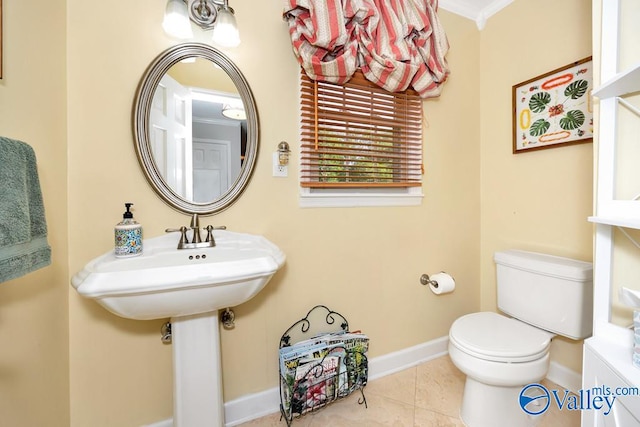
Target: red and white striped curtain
{"x": 396, "y": 43}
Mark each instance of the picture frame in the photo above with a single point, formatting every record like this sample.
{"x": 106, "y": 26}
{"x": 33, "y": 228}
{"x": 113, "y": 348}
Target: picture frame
{"x": 554, "y": 109}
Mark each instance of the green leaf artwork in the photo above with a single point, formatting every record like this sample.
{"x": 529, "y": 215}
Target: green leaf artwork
{"x": 576, "y": 89}
{"x": 573, "y": 120}
{"x": 554, "y": 108}
{"x": 539, "y": 127}
{"x": 539, "y": 101}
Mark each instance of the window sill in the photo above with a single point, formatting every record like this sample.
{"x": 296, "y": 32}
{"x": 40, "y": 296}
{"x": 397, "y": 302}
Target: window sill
{"x": 349, "y": 199}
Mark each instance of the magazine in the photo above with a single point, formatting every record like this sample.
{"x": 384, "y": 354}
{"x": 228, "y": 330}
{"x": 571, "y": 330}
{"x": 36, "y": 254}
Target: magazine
{"x": 316, "y": 382}
{"x": 321, "y": 369}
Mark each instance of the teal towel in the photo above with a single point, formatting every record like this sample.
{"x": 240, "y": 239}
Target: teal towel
{"x": 23, "y": 229}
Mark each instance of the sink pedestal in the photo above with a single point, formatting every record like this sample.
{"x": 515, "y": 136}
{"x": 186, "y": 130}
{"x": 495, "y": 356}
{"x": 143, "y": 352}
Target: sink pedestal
{"x": 197, "y": 372}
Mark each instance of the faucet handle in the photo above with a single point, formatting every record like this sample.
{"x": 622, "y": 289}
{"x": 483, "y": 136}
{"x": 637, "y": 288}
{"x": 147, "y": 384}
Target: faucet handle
{"x": 210, "y": 229}
{"x": 183, "y": 236}
{"x": 209, "y": 237}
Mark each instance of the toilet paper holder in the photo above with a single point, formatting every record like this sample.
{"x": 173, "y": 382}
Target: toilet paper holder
{"x": 440, "y": 283}
{"x": 426, "y": 280}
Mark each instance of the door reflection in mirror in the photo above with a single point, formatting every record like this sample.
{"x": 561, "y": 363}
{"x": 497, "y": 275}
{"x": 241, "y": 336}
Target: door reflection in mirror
{"x": 197, "y": 149}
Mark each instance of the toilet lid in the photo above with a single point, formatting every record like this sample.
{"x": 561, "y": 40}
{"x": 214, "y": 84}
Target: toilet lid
{"x": 491, "y": 336}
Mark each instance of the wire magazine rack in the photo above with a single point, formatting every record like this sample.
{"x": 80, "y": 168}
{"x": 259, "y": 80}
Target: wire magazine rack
{"x": 320, "y": 363}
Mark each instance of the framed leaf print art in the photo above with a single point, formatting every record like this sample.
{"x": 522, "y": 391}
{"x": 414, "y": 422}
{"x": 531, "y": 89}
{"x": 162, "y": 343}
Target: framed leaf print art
{"x": 554, "y": 109}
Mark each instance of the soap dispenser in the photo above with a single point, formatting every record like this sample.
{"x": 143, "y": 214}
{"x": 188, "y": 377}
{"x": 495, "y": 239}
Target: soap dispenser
{"x": 128, "y": 235}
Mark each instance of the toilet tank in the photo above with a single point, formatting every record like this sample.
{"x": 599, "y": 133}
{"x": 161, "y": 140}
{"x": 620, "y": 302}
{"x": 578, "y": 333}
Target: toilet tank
{"x": 546, "y": 291}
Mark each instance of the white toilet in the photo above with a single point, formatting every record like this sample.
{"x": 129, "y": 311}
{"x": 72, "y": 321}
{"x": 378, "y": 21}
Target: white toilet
{"x": 545, "y": 295}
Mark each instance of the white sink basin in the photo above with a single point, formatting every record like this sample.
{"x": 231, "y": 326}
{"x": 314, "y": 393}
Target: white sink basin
{"x": 167, "y": 282}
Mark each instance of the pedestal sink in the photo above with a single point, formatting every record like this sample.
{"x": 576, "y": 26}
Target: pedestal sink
{"x": 189, "y": 286}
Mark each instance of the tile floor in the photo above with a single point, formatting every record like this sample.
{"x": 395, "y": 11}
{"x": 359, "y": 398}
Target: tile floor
{"x": 427, "y": 395}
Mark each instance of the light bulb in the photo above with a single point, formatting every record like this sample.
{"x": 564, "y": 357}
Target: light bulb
{"x": 225, "y": 33}
{"x": 176, "y": 20}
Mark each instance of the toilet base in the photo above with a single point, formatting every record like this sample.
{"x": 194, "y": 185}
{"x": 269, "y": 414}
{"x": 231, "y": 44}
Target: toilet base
{"x": 485, "y": 405}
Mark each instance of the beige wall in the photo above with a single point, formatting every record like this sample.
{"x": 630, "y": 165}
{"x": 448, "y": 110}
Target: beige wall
{"x": 362, "y": 262}
{"x": 537, "y": 200}
{"x": 34, "y": 338}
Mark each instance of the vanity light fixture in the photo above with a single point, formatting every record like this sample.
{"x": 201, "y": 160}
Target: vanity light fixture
{"x": 207, "y": 14}
{"x": 283, "y": 153}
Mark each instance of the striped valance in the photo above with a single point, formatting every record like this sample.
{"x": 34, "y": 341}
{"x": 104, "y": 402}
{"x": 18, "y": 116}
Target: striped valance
{"x": 396, "y": 43}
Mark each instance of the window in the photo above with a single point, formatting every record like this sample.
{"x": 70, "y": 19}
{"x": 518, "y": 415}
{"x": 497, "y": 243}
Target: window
{"x": 359, "y": 141}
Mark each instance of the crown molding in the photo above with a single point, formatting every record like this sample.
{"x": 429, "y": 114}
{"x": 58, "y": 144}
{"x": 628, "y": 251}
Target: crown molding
{"x": 476, "y": 10}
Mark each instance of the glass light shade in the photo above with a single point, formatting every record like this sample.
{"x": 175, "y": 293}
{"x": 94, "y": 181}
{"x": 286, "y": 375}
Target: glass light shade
{"x": 235, "y": 113}
{"x": 283, "y": 158}
{"x": 283, "y": 153}
{"x": 176, "y": 20}
{"x": 225, "y": 33}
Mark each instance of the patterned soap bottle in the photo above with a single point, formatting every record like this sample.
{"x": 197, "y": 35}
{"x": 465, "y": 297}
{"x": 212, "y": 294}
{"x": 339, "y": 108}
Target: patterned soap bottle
{"x": 128, "y": 235}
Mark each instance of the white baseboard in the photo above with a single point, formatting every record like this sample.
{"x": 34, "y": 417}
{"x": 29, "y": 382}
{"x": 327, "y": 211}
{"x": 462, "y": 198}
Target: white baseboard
{"x": 391, "y": 363}
{"x": 256, "y": 405}
{"x": 163, "y": 423}
{"x": 564, "y": 377}
{"x": 252, "y": 406}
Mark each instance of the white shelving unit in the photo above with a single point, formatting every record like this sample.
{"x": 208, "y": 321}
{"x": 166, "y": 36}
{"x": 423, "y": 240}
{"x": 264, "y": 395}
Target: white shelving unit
{"x": 608, "y": 353}
{"x": 620, "y": 84}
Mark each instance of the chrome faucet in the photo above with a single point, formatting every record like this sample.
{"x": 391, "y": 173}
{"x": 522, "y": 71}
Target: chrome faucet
{"x": 196, "y": 238}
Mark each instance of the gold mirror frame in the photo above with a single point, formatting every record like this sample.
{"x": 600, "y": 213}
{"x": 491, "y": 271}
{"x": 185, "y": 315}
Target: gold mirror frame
{"x": 141, "y": 114}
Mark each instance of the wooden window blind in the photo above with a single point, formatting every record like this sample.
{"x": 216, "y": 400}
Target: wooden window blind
{"x": 359, "y": 135}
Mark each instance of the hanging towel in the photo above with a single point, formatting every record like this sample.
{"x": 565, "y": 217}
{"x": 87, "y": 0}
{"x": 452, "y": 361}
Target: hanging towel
{"x": 23, "y": 229}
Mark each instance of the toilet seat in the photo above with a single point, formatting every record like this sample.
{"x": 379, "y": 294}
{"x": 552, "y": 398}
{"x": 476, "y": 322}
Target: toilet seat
{"x": 493, "y": 337}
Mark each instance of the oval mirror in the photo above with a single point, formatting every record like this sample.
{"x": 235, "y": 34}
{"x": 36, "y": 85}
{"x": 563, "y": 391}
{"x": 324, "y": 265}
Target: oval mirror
{"x": 195, "y": 128}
